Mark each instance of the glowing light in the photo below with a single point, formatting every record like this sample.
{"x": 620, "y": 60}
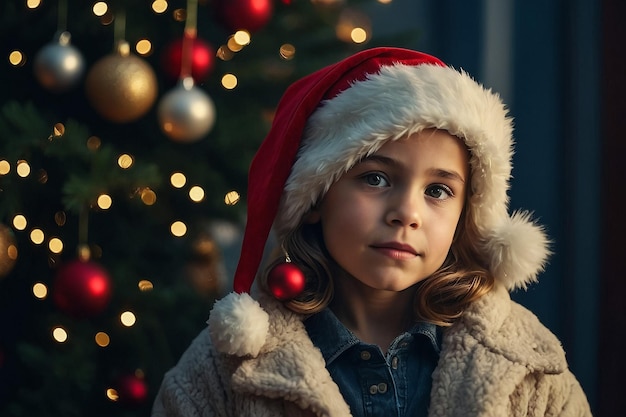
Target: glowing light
{"x": 358, "y": 35}
{"x": 125, "y": 161}
{"x": 40, "y": 290}
{"x": 233, "y": 45}
{"x": 127, "y": 318}
{"x": 33, "y": 4}
{"x": 196, "y": 193}
{"x": 37, "y": 236}
{"x": 242, "y": 37}
{"x": 178, "y": 180}
{"x": 59, "y": 334}
{"x": 5, "y": 167}
{"x": 17, "y": 58}
{"x": 159, "y": 6}
{"x": 93, "y": 143}
{"x": 55, "y": 245}
{"x": 148, "y": 197}
{"x": 23, "y": 169}
{"x": 287, "y": 51}
{"x": 353, "y": 26}
{"x": 19, "y": 222}
{"x": 100, "y": 8}
{"x": 229, "y": 81}
{"x": 231, "y": 198}
{"x": 145, "y": 285}
{"x": 102, "y": 339}
{"x": 104, "y": 201}
{"x": 178, "y": 229}
{"x": 385, "y": 1}
{"x": 12, "y": 252}
{"x": 112, "y": 394}
{"x": 58, "y": 130}
{"x": 143, "y": 47}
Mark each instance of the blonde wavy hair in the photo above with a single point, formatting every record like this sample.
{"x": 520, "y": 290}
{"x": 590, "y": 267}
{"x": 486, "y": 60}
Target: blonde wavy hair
{"x": 439, "y": 299}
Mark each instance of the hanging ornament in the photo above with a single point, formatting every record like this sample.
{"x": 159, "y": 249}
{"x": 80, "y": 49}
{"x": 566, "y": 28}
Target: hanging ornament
{"x": 250, "y": 15}
{"x": 186, "y": 113}
{"x": 8, "y": 250}
{"x": 82, "y": 289}
{"x": 202, "y": 59}
{"x": 286, "y": 281}
{"x": 132, "y": 389}
{"x": 59, "y": 66}
{"x": 121, "y": 86}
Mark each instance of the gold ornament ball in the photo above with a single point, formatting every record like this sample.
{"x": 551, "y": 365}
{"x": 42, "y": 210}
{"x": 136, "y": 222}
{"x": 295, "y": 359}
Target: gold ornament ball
{"x": 8, "y": 250}
{"x": 121, "y": 88}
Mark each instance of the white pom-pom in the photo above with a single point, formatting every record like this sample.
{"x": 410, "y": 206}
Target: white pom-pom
{"x": 519, "y": 250}
{"x": 238, "y": 325}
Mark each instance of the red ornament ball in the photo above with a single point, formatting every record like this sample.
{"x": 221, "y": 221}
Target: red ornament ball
{"x": 250, "y": 15}
{"x": 82, "y": 289}
{"x": 202, "y": 59}
{"x": 286, "y": 281}
{"x": 132, "y": 390}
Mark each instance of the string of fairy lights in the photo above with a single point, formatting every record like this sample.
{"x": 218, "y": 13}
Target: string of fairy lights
{"x": 352, "y": 26}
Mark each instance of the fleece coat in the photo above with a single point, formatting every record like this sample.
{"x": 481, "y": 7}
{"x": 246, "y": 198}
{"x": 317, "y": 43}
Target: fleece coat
{"x": 496, "y": 360}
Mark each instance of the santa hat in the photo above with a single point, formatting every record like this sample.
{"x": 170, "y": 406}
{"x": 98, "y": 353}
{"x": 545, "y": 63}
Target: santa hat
{"x": 328, "y": 121}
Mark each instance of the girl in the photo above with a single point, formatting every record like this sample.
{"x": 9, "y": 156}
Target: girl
{"x": 385, "y": 179}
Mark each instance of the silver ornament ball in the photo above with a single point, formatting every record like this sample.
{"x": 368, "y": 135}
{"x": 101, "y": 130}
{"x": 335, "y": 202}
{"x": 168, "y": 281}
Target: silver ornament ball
{"x": 59, "y": 66}
{"x": 186, "y": 113}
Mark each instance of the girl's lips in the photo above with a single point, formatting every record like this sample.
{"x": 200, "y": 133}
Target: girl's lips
{"x": 396, "y": 250}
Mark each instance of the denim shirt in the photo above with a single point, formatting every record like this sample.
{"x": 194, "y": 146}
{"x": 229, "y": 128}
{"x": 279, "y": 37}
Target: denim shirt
{"x": 372, "y": 383}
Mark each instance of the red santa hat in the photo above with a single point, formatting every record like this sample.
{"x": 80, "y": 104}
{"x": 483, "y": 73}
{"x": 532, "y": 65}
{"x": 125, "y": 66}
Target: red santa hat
{"x": 328, "y": 121}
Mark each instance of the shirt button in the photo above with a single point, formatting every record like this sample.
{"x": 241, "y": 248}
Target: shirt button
{"x": 365, "y": 355}
{"x": 382, "y": 388}
{"x": 394, "y": 362}
{"x": 373, "y": 389}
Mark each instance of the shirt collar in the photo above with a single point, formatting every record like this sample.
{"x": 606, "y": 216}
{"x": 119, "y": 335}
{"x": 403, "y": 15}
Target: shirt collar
{"x": 332, "y": 338}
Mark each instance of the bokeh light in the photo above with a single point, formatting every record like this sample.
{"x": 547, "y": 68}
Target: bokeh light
{"x": 178, "y": 179}
{"x": 145, "y": 285}
{"x": 229, "y": 81}
{"x": 55, "y": 245}
{"x": 231, "y": 198}
{"x": 178, "y": 228}
{"x": 40, "y": 290}
{"x": 159, "y": 6}
{"x": 196, "y": 193}
{"x": 59, "y": 334}
{"x": 19, "y": 222}
{"x": 5, "y": 167}
{"x": 128, "y": 318}
{"x": 104, "y": 201}
{"x": 125, "y": 161}
{"x": 23, "y": 168}
{"x": 102, "y": 339}
{"x": 37, "y": 236}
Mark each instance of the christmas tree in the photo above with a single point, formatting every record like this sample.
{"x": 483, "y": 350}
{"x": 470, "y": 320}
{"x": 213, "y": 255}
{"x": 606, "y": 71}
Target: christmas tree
{"x": 126, "y": 131}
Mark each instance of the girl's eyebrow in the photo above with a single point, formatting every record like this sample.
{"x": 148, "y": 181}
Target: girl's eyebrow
{"x": 436, "y": 172}
{"x": 448, "y": 174}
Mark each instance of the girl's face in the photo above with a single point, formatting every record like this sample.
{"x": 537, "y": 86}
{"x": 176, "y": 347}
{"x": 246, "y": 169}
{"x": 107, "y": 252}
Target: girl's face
{"x": 390, "y": 220}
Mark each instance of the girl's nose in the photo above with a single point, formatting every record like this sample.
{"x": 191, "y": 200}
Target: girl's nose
{"x": 404, "y": 210}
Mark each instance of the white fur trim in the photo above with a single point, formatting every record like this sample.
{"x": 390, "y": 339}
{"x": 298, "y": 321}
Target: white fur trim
{"x": 518, "y": 245}
{"x": 238, "y": 325}
{"x": 401, "y": 100}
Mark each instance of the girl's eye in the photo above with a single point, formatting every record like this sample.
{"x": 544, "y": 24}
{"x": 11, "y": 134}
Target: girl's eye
{"x": 439, "y": 192}
{"x": 375, "y": 179}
